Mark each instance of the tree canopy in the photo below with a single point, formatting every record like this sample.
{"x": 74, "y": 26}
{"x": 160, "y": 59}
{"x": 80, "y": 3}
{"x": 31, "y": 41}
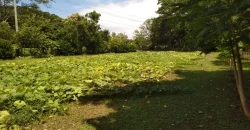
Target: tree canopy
{"x": 213, "y": 24}
{"x": 42, "y": 34}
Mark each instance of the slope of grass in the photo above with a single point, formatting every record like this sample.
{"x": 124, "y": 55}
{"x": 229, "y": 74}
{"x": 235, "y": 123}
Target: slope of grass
{"x": 204, "y": 98}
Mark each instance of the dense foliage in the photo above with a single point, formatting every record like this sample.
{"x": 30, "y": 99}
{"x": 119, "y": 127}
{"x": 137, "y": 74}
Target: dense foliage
{"x": 5, "y": 31}
{"x": 142, "y": 37}
{"x": 29, "y": 89}
{"x": 214, "y": 24}
{"x": 44, "y": 34}
{"x": 120, "y": 43}
{"x": 6, "y": 50}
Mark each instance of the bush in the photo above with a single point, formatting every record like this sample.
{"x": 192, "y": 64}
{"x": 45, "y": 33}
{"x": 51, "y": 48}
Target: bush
{"x": 26, "y": 52}
{"x": 104, "y": 47}
{"x": 39, "y": 52}
{"x": 93, "y": 47}
{"x": 224, "y": 54}
{"x": 65, "y": 48}
{"x": 5, "y": 31}
{"x": 6, "y": 50}
{"x": 33, "y": 38}
{"x": 122, "y": 47}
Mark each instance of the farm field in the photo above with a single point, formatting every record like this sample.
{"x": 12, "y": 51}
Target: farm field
{"x": 143, "y": 90}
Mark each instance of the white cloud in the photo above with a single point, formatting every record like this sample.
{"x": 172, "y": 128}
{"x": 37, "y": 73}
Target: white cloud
{"x": 126, "y": 16}
{"x": 93, "y": 1}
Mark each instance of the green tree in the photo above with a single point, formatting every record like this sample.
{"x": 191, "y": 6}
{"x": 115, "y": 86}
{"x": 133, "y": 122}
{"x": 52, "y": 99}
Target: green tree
{"x": 142, "y": 36}
{"x": 216, "y": 22}
{"x": 5, "y": 31}
{"x": 93, "y": 16}
{"x": 94, "y": 29}
{"x": 105, "y": 41}
{"x": 6, "y": 50}
{"x": 32, "y": 38}
{"x": 165, "y": 36}
{"x": 120, "y": 43}
{"x": 82, "y": 34}
{"x": 40, "y": 43}
{"x": 87, "y": 33}
{"x": 6, "y": 9}
{"x": 68, "y": 39}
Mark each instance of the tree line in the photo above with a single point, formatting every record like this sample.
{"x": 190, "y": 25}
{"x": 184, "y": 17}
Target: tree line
{"x": 42, "y": 34}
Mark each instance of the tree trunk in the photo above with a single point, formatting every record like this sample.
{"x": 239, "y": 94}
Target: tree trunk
{"x": 240, "y": 85}
{"x": 234, "y": 65}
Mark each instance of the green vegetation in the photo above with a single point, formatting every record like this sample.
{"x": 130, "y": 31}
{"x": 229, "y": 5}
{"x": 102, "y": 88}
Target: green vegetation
{"x": 211, "y": 102}
{"x": 6, "y": 50}
{"x": 44, "y": 34}
{"x": 6, "y": 31}
{"x": 208, "y": 26}
{"x": 31, "y": 88}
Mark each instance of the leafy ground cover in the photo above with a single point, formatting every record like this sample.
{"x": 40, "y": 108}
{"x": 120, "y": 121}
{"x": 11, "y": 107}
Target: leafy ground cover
{"x": 212, "y": 103}
{"x": 30, "y": 88}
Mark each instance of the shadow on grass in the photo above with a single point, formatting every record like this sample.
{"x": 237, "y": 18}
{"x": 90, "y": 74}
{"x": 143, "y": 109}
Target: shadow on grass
{"x": 246, "y": 64}
{"x": 197, "y": 100}
{"x": 222, "y": 62}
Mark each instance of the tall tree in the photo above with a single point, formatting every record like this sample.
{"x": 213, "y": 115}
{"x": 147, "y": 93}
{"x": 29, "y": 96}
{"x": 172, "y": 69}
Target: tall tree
{"x": 166, "y": 36}
{"x": 94, "y": 29}
{"x": 142, "y": 36}
{"x": 38, "y": 30}
{"x": 6, "y": 9}
{"x": 89, "y": 32}
{"x": 5, "y": 31}
{"x": 216, "y": 22}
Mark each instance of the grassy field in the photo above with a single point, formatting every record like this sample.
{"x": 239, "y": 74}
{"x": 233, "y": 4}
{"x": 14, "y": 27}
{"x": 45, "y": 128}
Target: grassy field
{"x": 182, "y": 91}
{"x": 211, "y": 103}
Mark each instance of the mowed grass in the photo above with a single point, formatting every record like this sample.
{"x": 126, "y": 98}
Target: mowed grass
{"x": 210, "y": 102}
{"x": 202, "y": 96}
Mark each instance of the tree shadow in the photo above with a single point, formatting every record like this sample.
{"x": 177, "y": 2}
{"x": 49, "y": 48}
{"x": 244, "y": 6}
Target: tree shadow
{"x": 246, "y": 72}
{"x": 196, "y": 100}
{"x": 246, "y": 64}
{"x": 222, "y": 62}
{"x": 246, "y": 67}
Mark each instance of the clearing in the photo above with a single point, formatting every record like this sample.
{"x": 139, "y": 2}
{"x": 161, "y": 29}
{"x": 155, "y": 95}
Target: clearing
{"x": 135, "y": 91}
{"x": 210, "y": 101}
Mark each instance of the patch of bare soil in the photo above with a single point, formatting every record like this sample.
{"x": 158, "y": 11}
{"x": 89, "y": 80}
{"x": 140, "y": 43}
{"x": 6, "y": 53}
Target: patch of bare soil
{"x": 78, "y": 114}
{"x": 171, "y": 76}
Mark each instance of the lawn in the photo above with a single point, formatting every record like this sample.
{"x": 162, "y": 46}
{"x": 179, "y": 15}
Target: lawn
{"x": 135, "y": 91}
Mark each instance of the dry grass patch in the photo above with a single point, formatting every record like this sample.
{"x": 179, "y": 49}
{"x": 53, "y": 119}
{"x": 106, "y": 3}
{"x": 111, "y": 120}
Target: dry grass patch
{"x": 78, "y": 114}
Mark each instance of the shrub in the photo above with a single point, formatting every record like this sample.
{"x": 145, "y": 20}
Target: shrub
{"x": 224, "y": 54}
{"x": 65, "y": 48}
{"x": 122, "y": 47}
{"x": 5, "y": 31}
{"x": 93, "y": 47}
{"x": 131, "y": 47}
{"x": 6, "y": 50}
{"x": 38, "y": 52}
{"x": 104, "y": 47}
{"x": 33, "y": 38}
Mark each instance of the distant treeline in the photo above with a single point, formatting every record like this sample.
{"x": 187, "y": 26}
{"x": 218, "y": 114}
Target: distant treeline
{"x": 42, "y": 34}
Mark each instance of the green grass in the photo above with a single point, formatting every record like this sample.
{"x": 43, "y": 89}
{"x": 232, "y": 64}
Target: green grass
{"x": 205, "y": 98}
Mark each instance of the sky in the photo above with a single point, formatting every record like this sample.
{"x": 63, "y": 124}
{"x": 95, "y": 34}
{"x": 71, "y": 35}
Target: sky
{"x": 120, "y": 16}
